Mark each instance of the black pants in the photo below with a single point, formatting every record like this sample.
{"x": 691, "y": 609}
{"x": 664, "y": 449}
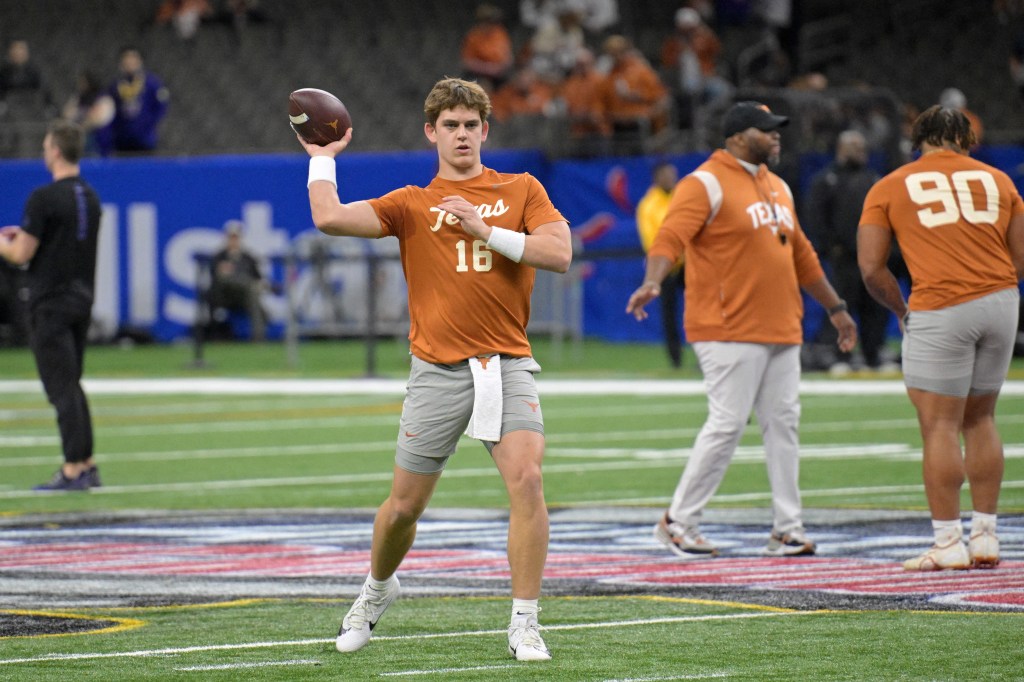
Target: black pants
{"x": 58, "y": 334}
{"x": 671, "y": 288}
{"x": 872, "y": 317}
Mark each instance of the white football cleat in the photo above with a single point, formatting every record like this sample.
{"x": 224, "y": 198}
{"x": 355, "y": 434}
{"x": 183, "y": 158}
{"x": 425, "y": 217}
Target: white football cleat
{"x": 984, "y": 548}
{"x": 524, "y": 640}
{"x": 363, "y": 616}
{"x": 951, "y": 556}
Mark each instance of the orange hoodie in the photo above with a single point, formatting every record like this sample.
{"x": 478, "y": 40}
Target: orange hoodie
{"x": 746, "y": 255}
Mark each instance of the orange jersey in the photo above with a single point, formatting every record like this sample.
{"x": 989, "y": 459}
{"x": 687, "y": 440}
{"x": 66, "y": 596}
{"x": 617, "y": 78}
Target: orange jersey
{"x": 949, "y": 214}
{"x": 746, "y": 255}
{"x": 464, "y": 299}
{"x": 631, "y": 89}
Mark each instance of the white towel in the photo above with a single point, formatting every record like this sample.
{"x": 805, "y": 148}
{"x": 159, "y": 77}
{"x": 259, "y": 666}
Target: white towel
{"x": 485, "y": 422}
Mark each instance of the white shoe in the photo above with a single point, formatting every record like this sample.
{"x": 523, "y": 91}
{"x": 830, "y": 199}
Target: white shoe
{"x": 524, "y": 640}
{"x": 363, "y": 616}
{"x": 791, "y": 543}
{"x": 951, "y": 556}
{"x": 686, "y": 542}
{"x": 983, "y": 548}
{"x": 840, "y": 369}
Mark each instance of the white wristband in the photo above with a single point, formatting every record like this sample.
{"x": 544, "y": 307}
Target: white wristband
{"x": 508, "y": 243}
{"x": 322, "y": 168}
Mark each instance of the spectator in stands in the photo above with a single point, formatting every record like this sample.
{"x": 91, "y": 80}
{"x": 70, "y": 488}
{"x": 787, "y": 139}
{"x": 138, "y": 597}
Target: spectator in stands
{"x": 524, "y": 95}
{"x": 91, "y": 107}
{"x": 953, "y": 98}
{"x": 632, "y": 95}
{"x": 20, "y": 78}
{"x": 596, "y": 16}
{"x": 690, "y": 55}
{"x": 140, "y": 102}
{"x": 236, "y": 283}
{"x": 487, "y": 49}
{"x": 534, "y": 13}
{"x": 764, "y": 63}
{"x": 832, "y": 212}
{"x": 184, "y": 15}
{"x": 650, "y": 213}
{"x": 589, "y": 130}
{"x": 554, "y": 46}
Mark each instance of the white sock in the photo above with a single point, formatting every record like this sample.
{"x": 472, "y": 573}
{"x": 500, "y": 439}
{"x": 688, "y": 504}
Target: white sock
{"x": 981, "y": 521}
{"x": 524, "y": 607}
{"x": 378, "y": 585}
{"x": 947, "y": 531}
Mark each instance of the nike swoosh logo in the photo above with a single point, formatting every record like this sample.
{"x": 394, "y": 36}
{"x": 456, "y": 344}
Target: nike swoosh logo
{"x": 411, "y": 435}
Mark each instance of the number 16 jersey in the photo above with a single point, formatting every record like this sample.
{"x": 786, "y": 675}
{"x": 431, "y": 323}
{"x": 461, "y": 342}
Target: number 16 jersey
{"x": 949, "y": 214}
{"x": 465, "y": 299}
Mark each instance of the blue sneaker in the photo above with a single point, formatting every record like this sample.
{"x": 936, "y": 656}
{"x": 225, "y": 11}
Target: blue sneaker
{"x": 61, "y": 483}
{"x": 93, "y": 476}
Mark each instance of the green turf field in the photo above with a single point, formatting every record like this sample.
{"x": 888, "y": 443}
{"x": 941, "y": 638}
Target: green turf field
{"x": 619, "y": 638}
{"x": 293, "y": 452}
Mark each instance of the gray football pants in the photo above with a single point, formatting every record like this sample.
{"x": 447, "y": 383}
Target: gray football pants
{"x": 740, "y": 378}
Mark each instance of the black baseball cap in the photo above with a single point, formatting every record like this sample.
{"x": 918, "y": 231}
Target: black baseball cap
{"x": 743, "y": 115}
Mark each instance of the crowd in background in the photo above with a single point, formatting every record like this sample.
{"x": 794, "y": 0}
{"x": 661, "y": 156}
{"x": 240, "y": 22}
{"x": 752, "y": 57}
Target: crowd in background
{"x": 573, "y": 61}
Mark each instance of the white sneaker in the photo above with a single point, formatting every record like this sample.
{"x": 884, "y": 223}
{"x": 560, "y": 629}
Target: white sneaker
{"x": 524, "y": 640}
{"x": 685, "y": 541}
{"x": 840, "y": 369}
{"x": 363, "y": 616}
{"x": 951, "y": 556}
{"x": 791, "y": 543}
{"x": 984, "y": 548}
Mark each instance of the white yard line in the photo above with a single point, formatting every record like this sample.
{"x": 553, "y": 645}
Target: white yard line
{"x": 397, "y": 387}
{"x": 396, "y": 638}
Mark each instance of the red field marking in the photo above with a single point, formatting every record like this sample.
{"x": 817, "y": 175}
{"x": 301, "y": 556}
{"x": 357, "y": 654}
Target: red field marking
{"x": 1004, "y": 585}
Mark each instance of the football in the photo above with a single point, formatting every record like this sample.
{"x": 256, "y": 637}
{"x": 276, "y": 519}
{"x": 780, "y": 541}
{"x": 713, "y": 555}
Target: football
{"x": 318, "y": 116}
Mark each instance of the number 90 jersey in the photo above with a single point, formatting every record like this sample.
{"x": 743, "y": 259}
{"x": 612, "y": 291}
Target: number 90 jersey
{"x": 949, "y": 214}
{"x": 465, "y": 299}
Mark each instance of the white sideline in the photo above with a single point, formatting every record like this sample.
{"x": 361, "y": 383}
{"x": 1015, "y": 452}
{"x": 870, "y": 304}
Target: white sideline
{"x": 397, "y": 387}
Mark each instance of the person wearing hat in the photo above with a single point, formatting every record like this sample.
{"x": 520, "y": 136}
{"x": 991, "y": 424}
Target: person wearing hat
{"x": 747, "y": 259}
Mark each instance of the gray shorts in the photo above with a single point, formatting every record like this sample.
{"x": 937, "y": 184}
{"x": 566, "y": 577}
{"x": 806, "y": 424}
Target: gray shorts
{"x": 963, "y": 349}
{"x": 439, "y": 402}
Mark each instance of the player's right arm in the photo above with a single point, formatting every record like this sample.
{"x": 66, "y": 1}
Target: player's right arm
{"x": 873, "y": 245}
{"x": 357, "y": 219}
{"x": 1015, "y": 240}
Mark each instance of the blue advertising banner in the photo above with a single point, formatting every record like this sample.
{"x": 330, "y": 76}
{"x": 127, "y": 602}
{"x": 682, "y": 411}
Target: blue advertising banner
{"x": 161, "y": 213}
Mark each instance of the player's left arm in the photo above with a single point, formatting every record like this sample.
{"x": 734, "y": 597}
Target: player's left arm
{"x": 17, "y": 246}
{"x": 822, "y": 292}
{"x": 547, "y": 247}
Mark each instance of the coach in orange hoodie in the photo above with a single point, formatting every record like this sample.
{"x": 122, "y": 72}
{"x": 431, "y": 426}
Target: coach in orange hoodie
{"x": 746, "y": 260}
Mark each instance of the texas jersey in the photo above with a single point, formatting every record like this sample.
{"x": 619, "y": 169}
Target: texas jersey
{"x": 949, "y": 214}
{"x": 746, "y": 255}
{"x": 465, "y": 299}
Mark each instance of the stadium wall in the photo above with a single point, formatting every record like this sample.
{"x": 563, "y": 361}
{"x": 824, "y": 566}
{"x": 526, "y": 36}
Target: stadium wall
{"x": 160, "y": 213}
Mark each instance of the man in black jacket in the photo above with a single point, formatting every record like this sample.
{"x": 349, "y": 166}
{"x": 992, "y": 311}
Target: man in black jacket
{"x": 55, "y": 245}
{"x": 831, "y": 213}
{"x": 236, "y": 282}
